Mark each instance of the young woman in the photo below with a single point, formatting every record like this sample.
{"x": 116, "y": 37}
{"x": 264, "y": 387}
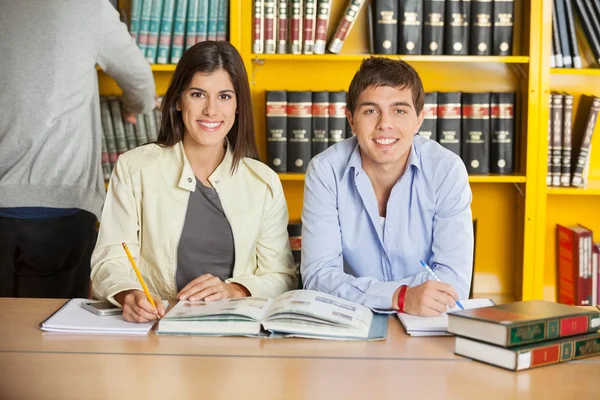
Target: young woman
{"x": 204, "y": 219}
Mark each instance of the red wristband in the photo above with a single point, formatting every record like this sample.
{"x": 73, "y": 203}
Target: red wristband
{"x": 401, "y": 298}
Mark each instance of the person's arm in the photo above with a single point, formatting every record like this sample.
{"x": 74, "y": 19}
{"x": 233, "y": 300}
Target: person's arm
{"x": 322, "y": 260}
{"x": 276, "y": 272}
{"x": 121, "y": 59}
{"x": 112, "y": 272}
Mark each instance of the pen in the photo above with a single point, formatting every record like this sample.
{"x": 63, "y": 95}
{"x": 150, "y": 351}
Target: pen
{"x": 137, "y": 272}
{"x": 428, "y": 268}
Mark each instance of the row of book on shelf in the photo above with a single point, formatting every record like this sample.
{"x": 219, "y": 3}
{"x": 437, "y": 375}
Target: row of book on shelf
{"x": 430, "y": 27}
{"x": 577, "y": 256}
{"x": 119, "y": 135}
{"x": 164, "y": 29}
{"x": 478, "y": 127}
{"x": 568, "y": 137}
{"x": 565, "y": 50}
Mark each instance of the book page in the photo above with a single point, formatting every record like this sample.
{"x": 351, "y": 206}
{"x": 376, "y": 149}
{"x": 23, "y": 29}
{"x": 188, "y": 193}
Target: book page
{"x": 245, "y": 308}
{"x": 321, "y": 307}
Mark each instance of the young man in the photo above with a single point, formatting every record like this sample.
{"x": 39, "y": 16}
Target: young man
{"x": 51, "y": 184}
{"x": 378, "y": 203}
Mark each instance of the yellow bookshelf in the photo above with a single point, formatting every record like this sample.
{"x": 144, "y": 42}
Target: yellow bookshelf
{"x": 511, "y": 228}
{"x": 563, "y": 205}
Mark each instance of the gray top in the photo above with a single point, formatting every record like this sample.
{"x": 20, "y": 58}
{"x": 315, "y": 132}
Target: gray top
{"x": 50, "y": 130}
{"x": 206, "y": 244}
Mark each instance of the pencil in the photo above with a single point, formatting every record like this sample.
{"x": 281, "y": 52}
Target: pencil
{"x": 137, "y": 272}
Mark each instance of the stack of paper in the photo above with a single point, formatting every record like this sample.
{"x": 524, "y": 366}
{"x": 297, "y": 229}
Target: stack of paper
{"x": 74, "y": 319}
{"x": 437, "y": 326}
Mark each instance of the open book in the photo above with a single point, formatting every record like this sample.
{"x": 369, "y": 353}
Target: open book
{"x": 437, "y": 326}
{"x": 300, "y": 313}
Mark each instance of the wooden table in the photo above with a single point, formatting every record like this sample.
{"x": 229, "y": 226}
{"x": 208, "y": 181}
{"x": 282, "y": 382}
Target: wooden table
{"x": 44, "y": 365}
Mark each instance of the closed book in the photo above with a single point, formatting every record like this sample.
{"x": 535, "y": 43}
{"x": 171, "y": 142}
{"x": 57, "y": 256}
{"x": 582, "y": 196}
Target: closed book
{"x": 572, "y": 34}
{"x": 145, "y": 25}
{"x": 596, "y": 274}
{"x": 449, "y": 121}
{"x": 270, "y": 25}
{"x": 258, "y": 27}
{"x": 556, "y": 145}
{"x": 523, "y": 322}
{"x": 429, "y": 125}
{"x": 584, "y": 127}
{"x": 531, "y": 355}
{"x": 151, "y": 128}
{"x": 165, "y": 32}
{"x": 130, "y": 135}
{"x": 134, "y": 19}
{"x": 202, "y": 19}
{"x": 573, "y": 280}
{"x": 141, "y": 131}
{"x": 345, "y": 25}
{"x": 282, "y": 26}
{"x": 191, "y": 24}
{"x": 118, "y": 126}
{"x": 567, "y": 133}
{"x": 587, "y": 23}
{"x": 277, "y": 130}
{"x": 337, "y": 117}
{"x": 308, "y": 26}
{"x": 556, "y": 40}
{"x": 323, "y": 17}
{"x": 223, "y": 20}
{"x": 410, "y": 26}
{"x": 154, "y": 31}
{"x": 549, "y": 153}
{"x": 106, "y": 170}
{"x": 503, "y": 29}
{"x": 563, "y": 36}
{"x": 433, "y": 27}
{"x": 179, "y": 31}
{"x": 384, "y": 26}
{"x": 213, "y": 19}
{"x": 320, "y": 122}
{"x": 502, "y": 122}
{"x": 109, "y": 133}
{"x": 481, "y": 27}
{"x": 299, "y": 120}
{"x": 594, "y": 16}
{"x": 475, "y": 150}
{"x": 456, "y": 27}
{"x": 295, "y": 30}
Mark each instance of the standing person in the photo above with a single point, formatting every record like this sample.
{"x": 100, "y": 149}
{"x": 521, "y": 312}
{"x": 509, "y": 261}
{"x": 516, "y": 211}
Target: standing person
{"x": 377, "y": 204}
{"x": 51, "y": 183}
{"x": 202, "y": 216}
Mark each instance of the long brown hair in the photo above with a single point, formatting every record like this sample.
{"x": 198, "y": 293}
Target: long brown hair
{"x": 207, "y": 57}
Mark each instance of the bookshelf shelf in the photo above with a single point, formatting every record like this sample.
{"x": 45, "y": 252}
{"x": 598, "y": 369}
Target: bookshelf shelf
{"x": 407, "y": 58}
{"x": 575, "y": 71}
{"x": 472, "y": 178}
{"x": 163, "y": 67}
{"x": 592, "y": 189}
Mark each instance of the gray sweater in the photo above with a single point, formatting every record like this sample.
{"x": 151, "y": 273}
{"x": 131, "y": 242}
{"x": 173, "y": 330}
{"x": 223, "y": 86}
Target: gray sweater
{"x": 50, "y": 129}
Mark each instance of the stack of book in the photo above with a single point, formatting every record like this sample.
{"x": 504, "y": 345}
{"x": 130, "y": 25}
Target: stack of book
{"x": 478, "y": 127}
{"x": 526, "y": 334}
{"x": 119, "y": 136}
{"x": 567, "y": 137}
{"x": 163, "y": 29}
{"x": 578, "y": 256}
{"x": 565, "y": 49}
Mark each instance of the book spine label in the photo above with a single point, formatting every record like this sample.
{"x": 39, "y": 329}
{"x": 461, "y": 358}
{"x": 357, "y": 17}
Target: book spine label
{"x": 481, "y": 27}
{"x": 545, "y": 355}
{"x": 385, "y": 26}
{"x": 458, "y": 14}
{"x": 527, "y": 333}
{"x": 258, "y": 30}
{"x": 320, "y": 122}
{"x": 282, "y": 26}
{"x": 503, "y": 27}
{"x": 345, "y": 25}
{"x": 586, "y": 348}
{"x": 574, "y": 325}
{"x": 296, "y": 27}
{"x": 565, "y": 167}
{"x": 556, "y": 152}
{"x": 584, "y": 150}
{"x": 179, "y": 31}
{"x": 323, "y": 16}
{"x": 270, "y": 47}
{"x": 429, "y": 125}
{"x": 502, "y": 133}
{"x": 310, "y": 19}
{"x": 277, "y": 130}
{"x": 433, "y": 28}
{"x": 449, "y": 121}
{"x": 410, "y": 38}
{"x": 476, "y": 132}
{"x": 337, "y": 117}
{"x": 299, "y": 110}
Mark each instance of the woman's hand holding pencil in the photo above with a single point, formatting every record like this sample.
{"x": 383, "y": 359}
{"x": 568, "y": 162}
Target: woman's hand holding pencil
{"x": 137, "y": 308}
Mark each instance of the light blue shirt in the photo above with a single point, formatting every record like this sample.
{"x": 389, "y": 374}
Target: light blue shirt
{"x": 348, "y": 252}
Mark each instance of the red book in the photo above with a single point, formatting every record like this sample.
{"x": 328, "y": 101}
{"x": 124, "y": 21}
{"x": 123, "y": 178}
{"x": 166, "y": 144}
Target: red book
{"x": 310, "y": 19}
{"x": 296, "y": 27}
{"x": 323, "y": 15}
{"x": 574, "y": 283}
{"x": 258, "y": 27}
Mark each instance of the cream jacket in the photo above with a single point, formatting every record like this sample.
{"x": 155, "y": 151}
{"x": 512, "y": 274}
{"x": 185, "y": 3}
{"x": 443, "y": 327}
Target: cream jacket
{"x": 145, "y": 207}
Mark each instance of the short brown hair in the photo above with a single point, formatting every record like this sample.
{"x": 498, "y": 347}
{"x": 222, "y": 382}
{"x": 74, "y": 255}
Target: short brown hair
{"x": 207, "y": 57}
{"x": 382, "y": 71}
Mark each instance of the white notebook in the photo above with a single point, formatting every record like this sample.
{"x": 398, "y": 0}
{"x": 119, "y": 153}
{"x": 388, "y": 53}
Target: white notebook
{"x": 437, "y": 326}
{"x": 72, "y": 318}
